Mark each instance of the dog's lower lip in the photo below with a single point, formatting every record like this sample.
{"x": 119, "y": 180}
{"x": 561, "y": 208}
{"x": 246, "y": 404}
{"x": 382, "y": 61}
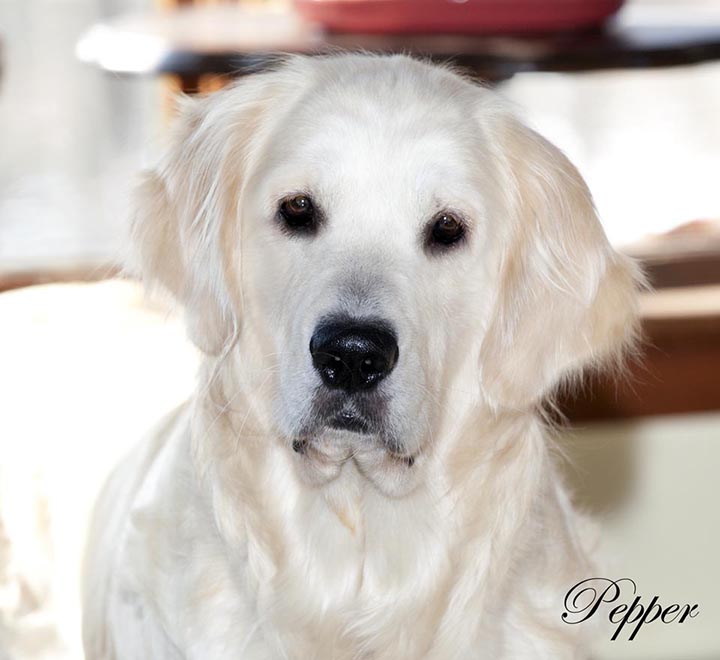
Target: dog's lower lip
{"x": 346, "y": 421}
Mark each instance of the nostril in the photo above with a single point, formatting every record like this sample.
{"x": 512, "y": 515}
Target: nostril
{"x": 331, "y": 367}
{"x": 368, "y": 366}
{"x": 353, "y": 356}
{"x": 373, "y": 366}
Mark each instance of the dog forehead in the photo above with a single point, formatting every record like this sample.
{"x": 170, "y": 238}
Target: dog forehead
{"x": 365, "y": 150}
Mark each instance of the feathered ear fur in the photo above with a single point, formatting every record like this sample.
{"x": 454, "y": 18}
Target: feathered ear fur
{"x": 567, "y": 300}
{"x": 186, "y": 208}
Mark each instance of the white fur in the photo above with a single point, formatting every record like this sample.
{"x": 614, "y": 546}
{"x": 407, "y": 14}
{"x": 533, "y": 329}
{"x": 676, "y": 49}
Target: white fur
{"x": 215, "y": 539}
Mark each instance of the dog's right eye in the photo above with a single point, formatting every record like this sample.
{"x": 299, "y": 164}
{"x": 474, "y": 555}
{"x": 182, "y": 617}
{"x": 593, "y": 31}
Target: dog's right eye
{"x": 298, "y": 213}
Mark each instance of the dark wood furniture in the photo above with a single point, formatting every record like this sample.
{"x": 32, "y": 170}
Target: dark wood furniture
{"x": 677, "y": 370}
{"x": 192, "y": 41}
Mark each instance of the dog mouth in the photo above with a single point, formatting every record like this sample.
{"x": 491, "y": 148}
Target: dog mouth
{"x": 361, "y": 414}
{"x": 348, "y": 419}
{"x": 307, "y": 446}
{"x": 352, "y": 423}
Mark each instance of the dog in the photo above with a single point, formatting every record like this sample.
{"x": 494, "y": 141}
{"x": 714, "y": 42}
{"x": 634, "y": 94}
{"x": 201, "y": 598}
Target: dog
{"x": 388, "y": 274}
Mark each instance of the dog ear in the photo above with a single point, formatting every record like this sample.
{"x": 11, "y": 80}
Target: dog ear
{"x": 566, "y": 299}
{"x": 185, "y": 208}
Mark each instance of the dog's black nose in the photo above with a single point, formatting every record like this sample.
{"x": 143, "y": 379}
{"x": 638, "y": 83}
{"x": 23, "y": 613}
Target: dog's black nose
{"x": 352, "y": 355}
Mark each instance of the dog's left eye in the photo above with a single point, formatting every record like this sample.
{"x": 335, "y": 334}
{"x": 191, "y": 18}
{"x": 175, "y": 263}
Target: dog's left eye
{"x": 445, "y": 230}
{"x": 298, "y": 213}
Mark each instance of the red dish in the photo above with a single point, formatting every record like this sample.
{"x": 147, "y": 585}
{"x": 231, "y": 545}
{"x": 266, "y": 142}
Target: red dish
{"x": 458, "y": 16}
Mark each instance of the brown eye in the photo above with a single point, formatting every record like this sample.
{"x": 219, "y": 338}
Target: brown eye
{"x": 298, "y": 213}
{"x": 446, "y": 230}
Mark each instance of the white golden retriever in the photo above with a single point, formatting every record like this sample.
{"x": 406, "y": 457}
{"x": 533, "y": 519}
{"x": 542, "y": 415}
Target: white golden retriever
{"x": 388, "y": 273}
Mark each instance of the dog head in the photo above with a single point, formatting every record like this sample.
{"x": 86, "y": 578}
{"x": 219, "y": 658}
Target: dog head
{"x": 388, "y": 246}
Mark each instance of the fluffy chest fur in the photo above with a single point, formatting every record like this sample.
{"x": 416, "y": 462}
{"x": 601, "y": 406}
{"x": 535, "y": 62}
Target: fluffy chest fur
{"x": 239, "y": 557}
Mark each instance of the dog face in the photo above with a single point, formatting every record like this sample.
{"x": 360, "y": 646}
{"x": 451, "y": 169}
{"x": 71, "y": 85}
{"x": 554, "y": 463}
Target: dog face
{"x": 368, "y": 237}
{"x": 388, "y": 246}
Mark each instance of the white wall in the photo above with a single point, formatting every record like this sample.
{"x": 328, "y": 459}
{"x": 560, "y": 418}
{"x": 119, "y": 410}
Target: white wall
{"x": 655, "y": 486}
{"x": 71, "y": 137}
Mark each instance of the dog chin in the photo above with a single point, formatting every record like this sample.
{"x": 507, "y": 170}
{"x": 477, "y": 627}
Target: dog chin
{"x": 334, "y": 443}
{"x": 336, "y": 439}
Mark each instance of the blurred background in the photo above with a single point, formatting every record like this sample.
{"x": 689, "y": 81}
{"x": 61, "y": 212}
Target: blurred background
{"x": 87, "y": 365}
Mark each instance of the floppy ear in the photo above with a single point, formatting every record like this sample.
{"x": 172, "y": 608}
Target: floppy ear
{"x": 566, "y": 299}
{"x": 186, "y": 208}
